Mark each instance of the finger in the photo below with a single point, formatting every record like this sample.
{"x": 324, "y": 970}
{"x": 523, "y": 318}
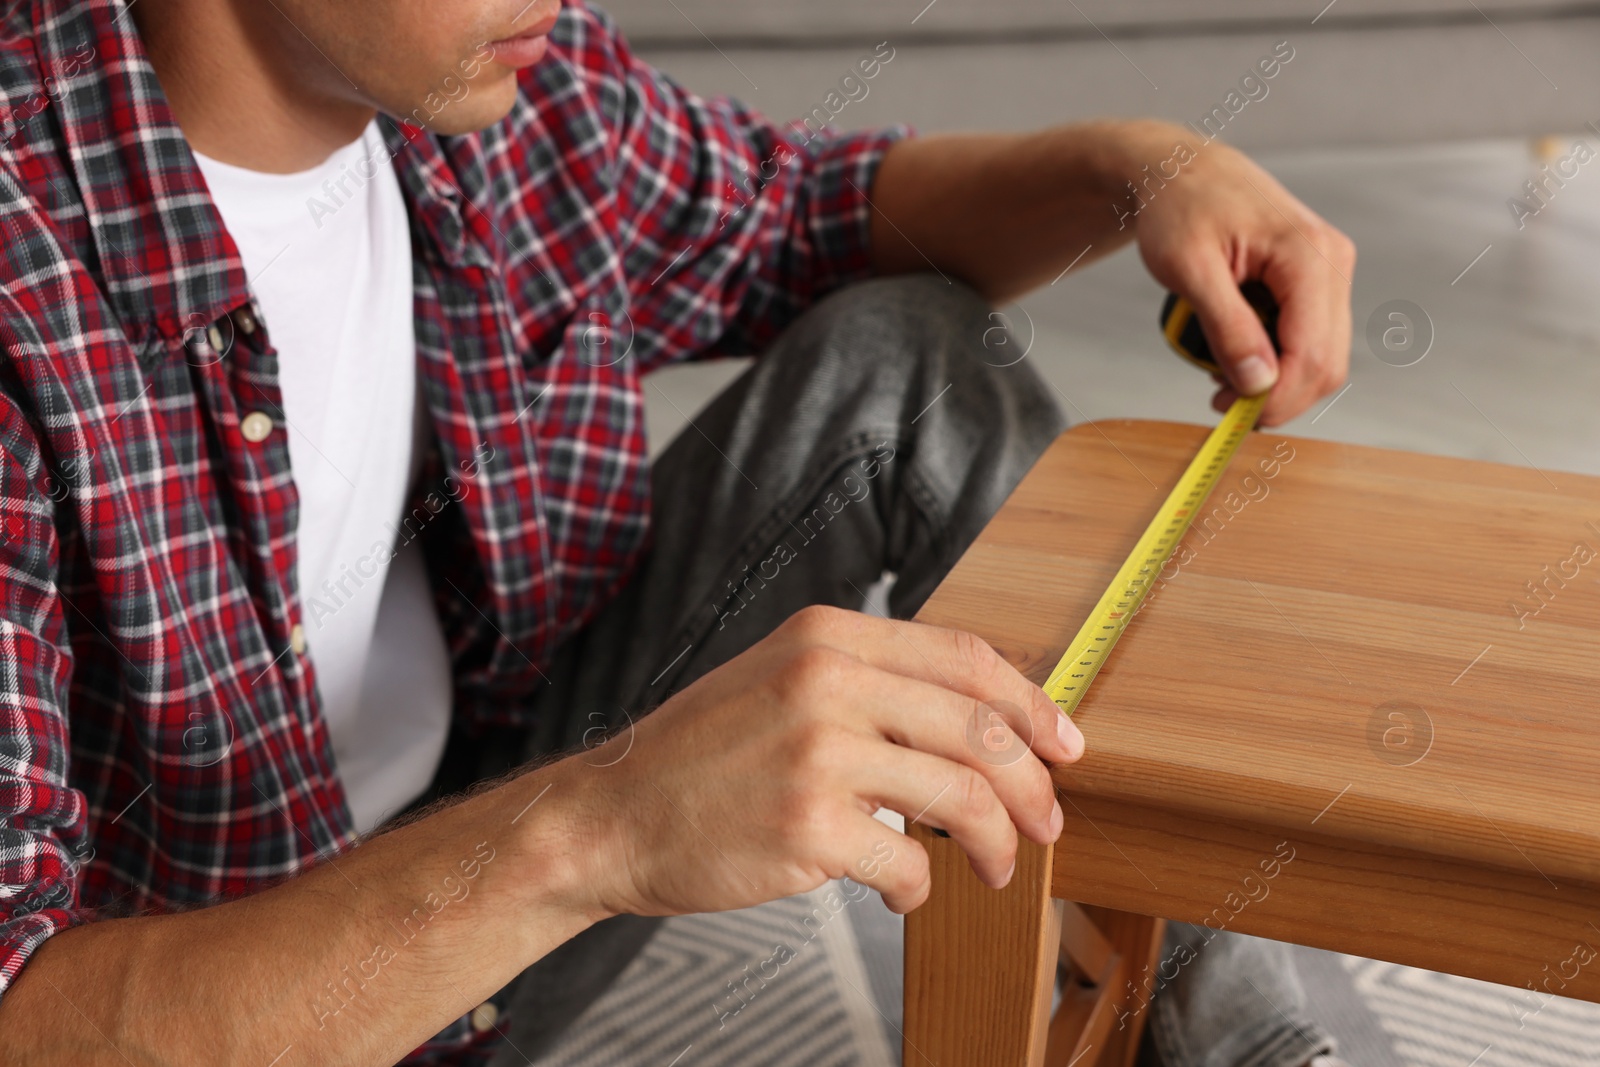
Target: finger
{"x": 1236, "y": 337}
{"x": 949, "y": 796}
{"x": 888, "y": 861}
{"x": 1309, "y": 363}
{"x": 988, "y": 737}
{"x": 1223, "y": 399}
{"x": 956, "y": 660}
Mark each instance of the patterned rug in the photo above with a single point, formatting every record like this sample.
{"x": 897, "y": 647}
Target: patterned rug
{"x": 1439, "y": 1020}
{"x": 785, "y": 984}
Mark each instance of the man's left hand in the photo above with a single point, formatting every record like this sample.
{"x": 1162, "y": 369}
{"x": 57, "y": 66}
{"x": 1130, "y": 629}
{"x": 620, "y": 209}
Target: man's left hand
{"x": 1223, "y": 220}
{"x": 1011, "y": 212}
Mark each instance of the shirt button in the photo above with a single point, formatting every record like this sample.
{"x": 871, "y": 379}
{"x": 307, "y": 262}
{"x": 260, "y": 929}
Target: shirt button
{"x": 297, "y": 639}
{"x": 245, "y": 321}
{"x": 214, "y": 335}
{"x": 484, "y": 1016}
{"x": 256, "y": 427}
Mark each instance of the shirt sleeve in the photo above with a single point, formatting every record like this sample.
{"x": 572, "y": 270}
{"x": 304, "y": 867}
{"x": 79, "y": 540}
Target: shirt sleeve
{"x": 729, "y": 225}
{"x": 42, "y": 819}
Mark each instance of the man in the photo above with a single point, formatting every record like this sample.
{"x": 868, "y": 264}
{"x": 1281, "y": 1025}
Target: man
{"x": 325, "y": 479}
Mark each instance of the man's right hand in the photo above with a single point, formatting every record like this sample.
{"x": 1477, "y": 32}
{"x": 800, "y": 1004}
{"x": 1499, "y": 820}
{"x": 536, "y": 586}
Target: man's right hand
{"x": 757, "y": 782}
{"x": 760, "y": 780}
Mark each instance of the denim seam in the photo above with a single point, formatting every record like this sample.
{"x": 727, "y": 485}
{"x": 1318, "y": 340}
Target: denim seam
{"x": 927, "y": 501}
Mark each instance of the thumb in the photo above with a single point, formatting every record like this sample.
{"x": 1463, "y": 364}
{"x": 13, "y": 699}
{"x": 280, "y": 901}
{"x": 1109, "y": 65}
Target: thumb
{"x": 1237, "y": 339}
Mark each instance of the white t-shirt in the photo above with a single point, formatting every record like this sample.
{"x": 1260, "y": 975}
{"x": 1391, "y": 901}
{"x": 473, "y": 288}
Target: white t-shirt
{"x": 335, "y": 293}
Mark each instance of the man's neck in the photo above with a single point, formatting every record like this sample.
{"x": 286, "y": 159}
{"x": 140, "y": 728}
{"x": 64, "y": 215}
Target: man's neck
{"x": 246, "y": 87}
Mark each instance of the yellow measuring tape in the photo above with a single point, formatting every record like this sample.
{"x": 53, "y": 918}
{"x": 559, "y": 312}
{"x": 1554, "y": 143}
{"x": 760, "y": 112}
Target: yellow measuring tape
{"x": 1087, "y": 654}
{"x": 1088, "y": 651}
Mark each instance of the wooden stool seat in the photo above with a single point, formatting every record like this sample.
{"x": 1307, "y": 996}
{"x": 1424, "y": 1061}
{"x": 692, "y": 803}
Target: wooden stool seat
{"x": 1360, "y": 710}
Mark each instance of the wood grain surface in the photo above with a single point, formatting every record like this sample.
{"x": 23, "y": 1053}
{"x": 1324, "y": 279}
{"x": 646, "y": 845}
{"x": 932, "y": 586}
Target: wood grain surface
{"x": 980, "y": 963}
{"x": 1500, "y": 925}
{"x": 1336, "y": 649}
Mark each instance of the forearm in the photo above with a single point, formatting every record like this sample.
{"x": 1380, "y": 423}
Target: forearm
{"x": 355, "y": 962}
{"x": 1009, "y": 212}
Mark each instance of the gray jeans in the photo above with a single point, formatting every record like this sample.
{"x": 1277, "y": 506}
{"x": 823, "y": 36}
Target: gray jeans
{"x": 879, "y": 433}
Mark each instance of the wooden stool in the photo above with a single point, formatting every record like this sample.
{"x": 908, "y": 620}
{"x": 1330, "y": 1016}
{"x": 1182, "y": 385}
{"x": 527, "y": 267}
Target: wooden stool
{"x": 1360, "y": 710}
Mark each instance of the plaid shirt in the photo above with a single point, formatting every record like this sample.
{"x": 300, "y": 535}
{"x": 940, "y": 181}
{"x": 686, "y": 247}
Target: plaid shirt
{"x": 161, "y": 742}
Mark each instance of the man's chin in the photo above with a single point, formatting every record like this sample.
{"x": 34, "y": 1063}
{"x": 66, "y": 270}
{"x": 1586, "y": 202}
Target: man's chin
{"x": 488, "y": 99}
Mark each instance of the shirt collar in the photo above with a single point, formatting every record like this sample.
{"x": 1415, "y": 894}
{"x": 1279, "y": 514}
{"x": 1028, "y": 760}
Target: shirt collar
{"x": 164, "y": 255}
{"x": 445, "y": 182}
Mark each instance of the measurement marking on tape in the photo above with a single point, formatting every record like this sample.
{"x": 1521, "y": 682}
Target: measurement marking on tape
{"x": 1118, "y": 604}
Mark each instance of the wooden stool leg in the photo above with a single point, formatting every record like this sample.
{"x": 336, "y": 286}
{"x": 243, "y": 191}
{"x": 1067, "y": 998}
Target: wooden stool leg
{"x": 980, "y": 963}
{"x": 1138, "y": 938}
{"x": 1107, "y": 955}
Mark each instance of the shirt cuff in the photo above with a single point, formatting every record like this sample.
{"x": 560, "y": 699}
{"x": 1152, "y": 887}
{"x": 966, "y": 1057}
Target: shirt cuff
{"x": 843, "y": 168}
{"x": 21, "y": 936}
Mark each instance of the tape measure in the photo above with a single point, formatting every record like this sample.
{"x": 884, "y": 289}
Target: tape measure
{"x": 1182, "y": 329}
{"x": 1087, "y": 653}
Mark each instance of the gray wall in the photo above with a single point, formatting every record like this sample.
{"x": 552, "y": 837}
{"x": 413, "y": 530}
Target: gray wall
{"x": 1363, "y": 71}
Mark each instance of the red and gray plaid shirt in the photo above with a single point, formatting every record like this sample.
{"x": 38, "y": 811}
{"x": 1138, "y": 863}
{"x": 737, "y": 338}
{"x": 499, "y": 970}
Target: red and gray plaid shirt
{"x": 161, "y": 742}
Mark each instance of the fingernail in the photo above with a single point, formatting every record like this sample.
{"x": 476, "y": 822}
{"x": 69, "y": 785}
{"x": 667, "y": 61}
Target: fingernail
{"x": 1254, "y": 375}
{"x": 1007, "y": 879}
{"x": 1058, "y": 819}
{"x": 1070, "y": 736}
